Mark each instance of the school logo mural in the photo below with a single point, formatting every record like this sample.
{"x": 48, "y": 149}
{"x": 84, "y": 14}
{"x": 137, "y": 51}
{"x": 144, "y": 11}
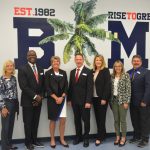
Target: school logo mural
{"x": 79, "y": 34}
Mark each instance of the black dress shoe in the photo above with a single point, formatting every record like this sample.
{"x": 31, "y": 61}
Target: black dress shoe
{"x": 64, "y": 145}
{"x": 13, "y": 148}
{"x": 77, "y": 141}
{"x": 134, "y": 140}
{"x": 38, "y": 145}
{"x": 53, "y": 146}
{"x": 143, "y": 143}
{"x": 29, "y": 147}
{"x": 85, "y": 143}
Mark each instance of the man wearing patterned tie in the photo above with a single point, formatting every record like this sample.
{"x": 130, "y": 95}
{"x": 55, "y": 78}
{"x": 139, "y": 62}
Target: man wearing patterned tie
{"x": 31, "y": 81}
{"x": 140, "y": 102}
{"x": 80, "y": 95}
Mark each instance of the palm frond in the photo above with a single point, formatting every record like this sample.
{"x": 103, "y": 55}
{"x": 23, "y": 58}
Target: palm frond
{"x": 83, "y": 10}
{"x": 53, "y": 38}
{"x": 68, "y": 50}
{"x": 98, "y": 33}
{"x": 85, "y": 58}
{"x": 60, "y": 26}
{"x": 89, "y": 46}
{"x": 95, "y": 20}
{"x": 88, "y": 8}
{"x": 78, "y": 42}
{"x": 111, "y": 37}
{"x": 77, "y": 8}
{"x": 82, "y": 27}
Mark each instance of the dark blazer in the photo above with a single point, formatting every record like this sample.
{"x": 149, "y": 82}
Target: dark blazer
{"x": 29, "y": 85}
{"x": 140, "y": 86}
{"x": 81, "y": 92}
{"x": 103, "y": 84}
{"x": 51, "y": 83}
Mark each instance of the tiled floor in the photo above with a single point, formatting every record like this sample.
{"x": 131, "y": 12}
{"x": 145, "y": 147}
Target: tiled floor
{"x": 107, "y": 145}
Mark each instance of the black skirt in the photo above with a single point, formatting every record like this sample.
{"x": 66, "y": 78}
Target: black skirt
{"x": 54, "y": 109}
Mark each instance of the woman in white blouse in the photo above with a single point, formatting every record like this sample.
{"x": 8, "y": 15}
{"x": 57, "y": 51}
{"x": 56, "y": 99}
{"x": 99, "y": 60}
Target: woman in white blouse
{"x": 121, "y": 93}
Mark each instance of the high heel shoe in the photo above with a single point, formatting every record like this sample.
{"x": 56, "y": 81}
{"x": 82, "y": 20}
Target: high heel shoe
{"x": 117, "y": 142}
{"x": 53, "y": 146}
{"x": 97, "y": 144}
{"x": 124, "y": 143}
{"x": 64, "y": 145}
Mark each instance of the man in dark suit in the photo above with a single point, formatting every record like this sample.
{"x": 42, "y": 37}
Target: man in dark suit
{"x": 80, "y": 94}
{"x": 140, "y": 102}
{"x": 31, "y": 81}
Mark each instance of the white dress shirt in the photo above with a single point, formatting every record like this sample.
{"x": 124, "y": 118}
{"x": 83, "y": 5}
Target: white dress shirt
{"x": 79, "y": 71}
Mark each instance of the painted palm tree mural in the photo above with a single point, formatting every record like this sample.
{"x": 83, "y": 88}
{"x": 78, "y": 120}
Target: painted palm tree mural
{"x": 79, "y": 34}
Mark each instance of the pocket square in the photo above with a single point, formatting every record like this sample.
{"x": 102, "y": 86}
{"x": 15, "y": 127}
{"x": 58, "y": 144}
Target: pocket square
{"x": 61, "y": 75}
{"x": 84, "y": 74}
{"x": 41, "y": 73}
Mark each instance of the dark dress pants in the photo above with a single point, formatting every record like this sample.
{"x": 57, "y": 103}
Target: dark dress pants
{"x": 31, "y": 117}
{"x": 81, "y": 113}
{"x": 100, "y": 115}
{"x": 140, "y": 118}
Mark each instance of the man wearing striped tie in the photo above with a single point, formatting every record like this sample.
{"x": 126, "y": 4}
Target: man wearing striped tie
{"x": 31, "y": 81}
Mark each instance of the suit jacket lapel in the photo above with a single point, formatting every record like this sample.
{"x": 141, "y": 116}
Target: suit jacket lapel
{"x": 52, "y": 73}
{"x": 80, "y": 76}
{"x": 73, "y": 75}
{"x": 39, "y": 75}
{"x": 138, "y": 73}
{"x": 31, "y": 72}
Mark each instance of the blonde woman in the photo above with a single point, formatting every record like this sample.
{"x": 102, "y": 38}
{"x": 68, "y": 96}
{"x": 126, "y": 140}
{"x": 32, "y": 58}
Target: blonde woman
{"x": 56, "y": 87}
{"x": 101, "y": 95}
{"x": 9, "y": 103}
{"x": 121, "y": 93}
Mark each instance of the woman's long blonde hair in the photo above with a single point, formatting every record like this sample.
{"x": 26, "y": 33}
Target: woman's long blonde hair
{"x": 5, "y": 64}
{"x": 118, "y": 62}
{"x": 103, "y": 62}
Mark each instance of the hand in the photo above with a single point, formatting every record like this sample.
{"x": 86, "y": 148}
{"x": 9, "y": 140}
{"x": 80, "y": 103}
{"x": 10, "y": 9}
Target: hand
{"x": 103, "y": 102}
{"x": 35, "y": 103}
{"x": 125, "y": 105}
{"x": 69, "y": 103}
{"x": 143, "y": 104}
{"x": 87, "y": 105}
{"x": 59, "y": 100}
{"x": 38, "y": 98}
{"x": 4, "y": 112}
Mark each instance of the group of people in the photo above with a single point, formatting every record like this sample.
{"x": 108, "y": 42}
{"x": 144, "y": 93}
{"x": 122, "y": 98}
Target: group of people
{"x": 86, "y": 87}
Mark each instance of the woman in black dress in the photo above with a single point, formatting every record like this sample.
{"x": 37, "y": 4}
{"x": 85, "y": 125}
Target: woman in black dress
{"x": 56, "y": 86}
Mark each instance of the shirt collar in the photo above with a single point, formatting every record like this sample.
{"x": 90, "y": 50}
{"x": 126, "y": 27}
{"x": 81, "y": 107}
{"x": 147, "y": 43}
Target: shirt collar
{"x": 80, "y": 68}
{"x": 137, "y": 69}
{"x": 31, "y": 65}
